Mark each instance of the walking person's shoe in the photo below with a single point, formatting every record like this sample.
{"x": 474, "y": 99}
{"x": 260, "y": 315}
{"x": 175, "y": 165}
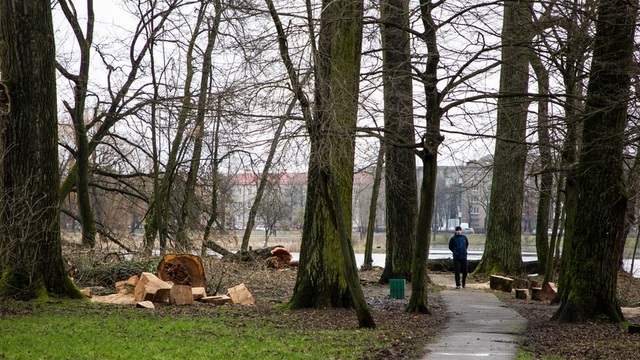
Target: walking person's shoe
{"x": 458, "y": 287}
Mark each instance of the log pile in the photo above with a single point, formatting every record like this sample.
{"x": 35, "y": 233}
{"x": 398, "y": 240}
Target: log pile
{"x": 180, "y": 281}
{"x": 523, "y": 288}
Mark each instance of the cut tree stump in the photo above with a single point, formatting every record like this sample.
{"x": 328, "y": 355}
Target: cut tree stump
{"x": 181, "y": 295}
{"x": 502, "y": 283}
{"x": 521, "y": 294}
{"x": 544, "y": 293}
{"x": 240, "y": 295}
{"x": 280, "y": 257}
{"x": 182, "y": 269}
{"x": 151, "y": 288}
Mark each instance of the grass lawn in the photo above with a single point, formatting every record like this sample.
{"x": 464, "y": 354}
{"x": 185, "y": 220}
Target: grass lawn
{"x": 84, "y": 330}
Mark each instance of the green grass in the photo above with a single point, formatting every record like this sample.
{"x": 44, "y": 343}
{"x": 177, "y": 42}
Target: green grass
{"x": 79, "y": 330}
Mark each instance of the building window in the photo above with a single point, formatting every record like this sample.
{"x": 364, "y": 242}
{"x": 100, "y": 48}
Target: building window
{"x": 475, "y": 211}
{"x": 475, "y": 199}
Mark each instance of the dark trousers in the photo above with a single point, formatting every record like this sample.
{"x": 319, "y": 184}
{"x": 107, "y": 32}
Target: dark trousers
{"x": 460, "y": 266}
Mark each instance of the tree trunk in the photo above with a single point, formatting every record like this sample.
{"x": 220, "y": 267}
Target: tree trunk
{"x": 321, "y": 280}
{"x": 577, "y": 48}
{"x": 198, "y": 131}
{"x": 590, "y": 278}
{"x": 77, "y": 113}
{"x": 31, "y": 253}
{"x": 401, "y": 193}
{"x": 431, "y": 142}
{"x": 373, "y": 206}
{"x": 159, "y": 213}
{"x": 502, "y": 253}
{"x": 546, "y": 160}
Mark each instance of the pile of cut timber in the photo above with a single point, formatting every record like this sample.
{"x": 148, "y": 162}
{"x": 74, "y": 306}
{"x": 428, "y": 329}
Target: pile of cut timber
{"x": 522, "y": 288}
{"x": 180, "y": 281}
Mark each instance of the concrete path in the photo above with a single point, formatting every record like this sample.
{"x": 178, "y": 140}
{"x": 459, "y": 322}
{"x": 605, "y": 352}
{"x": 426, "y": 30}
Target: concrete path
{"x": 480, "y": 327}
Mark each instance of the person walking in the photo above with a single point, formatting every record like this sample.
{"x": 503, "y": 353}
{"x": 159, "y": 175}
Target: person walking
{"x": 458, "y": 245}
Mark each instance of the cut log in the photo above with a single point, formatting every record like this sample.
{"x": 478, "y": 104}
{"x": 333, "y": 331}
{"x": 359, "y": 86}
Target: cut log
{"x": 145, "y": 305}
{"x": 633, "y": 329}
{"x": 544, "y": 293}
{"x": 150, "y": 288}
{"x": 181, "y": 295}
{"x": 280, "y": 257}
{"x": 502, "y": 283}
{"x": 521, "y": 294}
{"x": 240, "y": 295}
{"x": 182, "y": 269}
{"x": 127, "y": 285}
{"x": 198, "y": 293}
{"x": 216, "y": 300}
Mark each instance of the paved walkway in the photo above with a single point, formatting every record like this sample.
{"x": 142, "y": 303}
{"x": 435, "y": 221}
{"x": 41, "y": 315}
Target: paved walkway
{"x": 481, "y": 326}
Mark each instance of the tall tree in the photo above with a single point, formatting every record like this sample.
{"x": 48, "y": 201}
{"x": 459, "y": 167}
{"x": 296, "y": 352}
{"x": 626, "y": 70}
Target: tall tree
{"x": 502, "y": 253}
{"x": 401, "y": 193}
{"x": 31, "y": 257}
{"x": 158, "y": 219}
{"x": 590, "y": 277}
{"x": 199, "y": 128}
{"x": 327, "y": 276}
{"x": 431, "y": 141}
{"x": 77, "y": 113}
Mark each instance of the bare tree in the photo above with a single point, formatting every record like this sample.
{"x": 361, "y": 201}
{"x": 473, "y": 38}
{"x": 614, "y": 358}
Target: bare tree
{"x": 502, "y": 253}
{"x": 30, "y": 244}
{"x": 592, "y": 267}
{"x": 401, "y": 191}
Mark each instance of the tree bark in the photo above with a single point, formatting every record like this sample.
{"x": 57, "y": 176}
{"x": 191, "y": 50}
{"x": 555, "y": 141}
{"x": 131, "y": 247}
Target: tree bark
{"x": 325, "y": 252}
{"x": 590, "y": 278}
{"x": 502, "y": 253}
{"x": 32, "y": 265}
{"x": 401, "y": 192}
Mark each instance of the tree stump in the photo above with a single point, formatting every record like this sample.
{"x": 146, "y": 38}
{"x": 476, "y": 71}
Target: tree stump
{"x": 521, "y": 294}
{"x": 182, "y": 269}
{"x": 181, "y": 295}
{"x": 502, "y": 283}
{"x": 544, "y": 293}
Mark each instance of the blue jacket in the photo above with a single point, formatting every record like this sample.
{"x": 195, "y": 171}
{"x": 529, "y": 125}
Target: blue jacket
{"x": 458, "y": 244}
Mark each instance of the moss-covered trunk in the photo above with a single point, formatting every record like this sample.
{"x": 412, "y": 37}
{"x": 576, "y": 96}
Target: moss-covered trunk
{"x": 321, "y": 280}
{"x": 502, "y": 253}
{"x": 590, "y": 277}
{"x": 32, "y": 264}
{"x": 401, "y": 192}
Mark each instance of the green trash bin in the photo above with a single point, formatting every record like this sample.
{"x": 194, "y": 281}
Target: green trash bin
{"x": 397, "y": 288}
